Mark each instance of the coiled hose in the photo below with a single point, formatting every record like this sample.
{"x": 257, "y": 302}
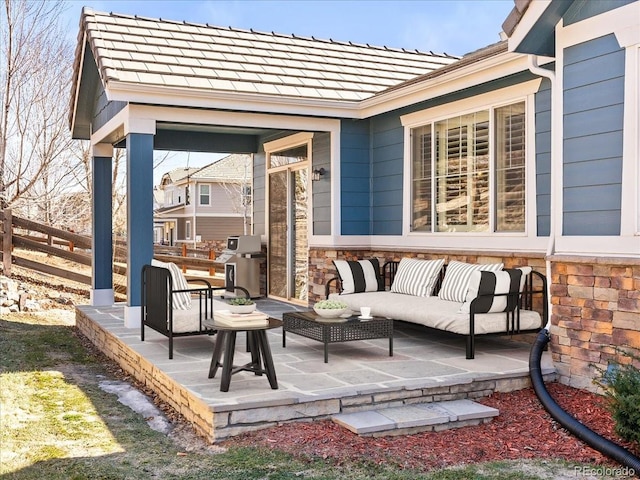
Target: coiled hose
{"x": 591, "y": 438}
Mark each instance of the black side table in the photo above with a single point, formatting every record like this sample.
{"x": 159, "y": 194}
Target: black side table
{"x": 258, "y": 345}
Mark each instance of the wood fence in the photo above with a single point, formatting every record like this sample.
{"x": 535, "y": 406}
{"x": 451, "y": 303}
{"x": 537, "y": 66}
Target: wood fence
{"x": 18, "y": 235}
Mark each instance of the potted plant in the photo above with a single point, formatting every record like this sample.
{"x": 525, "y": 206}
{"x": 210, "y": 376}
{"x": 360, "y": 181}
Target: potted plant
{"x": 330, "y": 308}
{"x": 241, "y": 305}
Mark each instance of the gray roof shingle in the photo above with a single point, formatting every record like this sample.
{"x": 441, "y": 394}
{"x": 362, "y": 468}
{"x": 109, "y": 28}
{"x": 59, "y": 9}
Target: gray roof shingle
{"x": 146, "y": 51}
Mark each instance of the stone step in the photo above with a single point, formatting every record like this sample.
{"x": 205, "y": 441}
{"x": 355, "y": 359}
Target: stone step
{"x": 418, "y": 417}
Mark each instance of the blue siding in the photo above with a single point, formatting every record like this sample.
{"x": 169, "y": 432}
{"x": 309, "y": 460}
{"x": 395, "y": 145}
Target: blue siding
{"x": 355, "y": 173}
{"x": 102, "y": 241}
{"x": 387, "y": 169}
{"x": 321, "y": 190}
{"x": 592, "y": 146}
{"x": 583, "y": 9}
{"x": 543, "y": 158}
{"x": 139, "y": 211}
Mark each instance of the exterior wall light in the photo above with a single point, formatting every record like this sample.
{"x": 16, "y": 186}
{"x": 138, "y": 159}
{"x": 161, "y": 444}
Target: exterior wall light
{"x": 317, "y": 174}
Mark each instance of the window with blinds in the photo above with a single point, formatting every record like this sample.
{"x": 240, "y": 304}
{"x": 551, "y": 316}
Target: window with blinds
{"x": 452, "y": 168}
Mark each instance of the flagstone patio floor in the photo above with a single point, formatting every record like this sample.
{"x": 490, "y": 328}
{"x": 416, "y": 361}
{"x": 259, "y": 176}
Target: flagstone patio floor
{"x": 427, "y": 365}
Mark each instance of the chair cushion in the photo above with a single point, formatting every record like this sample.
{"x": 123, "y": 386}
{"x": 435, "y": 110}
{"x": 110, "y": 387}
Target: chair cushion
{"x": 491, "y": 283}
{"x": 416, "y": 277}
{"x": 457, "y": 276}
{"x": 359, "y": 275}
{"x": 181, "y": 300}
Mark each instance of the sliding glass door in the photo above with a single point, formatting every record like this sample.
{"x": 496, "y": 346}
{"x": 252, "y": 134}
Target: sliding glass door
{"x": 288, "y": 269}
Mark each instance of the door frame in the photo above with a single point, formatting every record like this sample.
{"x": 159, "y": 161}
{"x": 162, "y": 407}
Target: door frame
{"x": 285, "y": 143}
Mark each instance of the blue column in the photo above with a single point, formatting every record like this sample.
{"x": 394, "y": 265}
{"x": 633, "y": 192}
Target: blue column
{"x": 102, "y": 245}
{"x": 139, "y": 211}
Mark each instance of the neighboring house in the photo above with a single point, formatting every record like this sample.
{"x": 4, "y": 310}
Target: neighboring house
{"x": 525, "y": 151}
{"x": 206, "y": 204}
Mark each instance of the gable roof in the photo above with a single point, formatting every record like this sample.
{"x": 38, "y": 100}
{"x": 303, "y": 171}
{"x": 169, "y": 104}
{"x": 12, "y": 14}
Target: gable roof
{"x": 232, "y": 168}
{"x": 177, "y": 174}
{"x": 134, "y": 53}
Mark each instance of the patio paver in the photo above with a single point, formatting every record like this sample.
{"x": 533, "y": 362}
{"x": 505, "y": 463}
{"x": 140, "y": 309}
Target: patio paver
{"x": 427, "y": 366}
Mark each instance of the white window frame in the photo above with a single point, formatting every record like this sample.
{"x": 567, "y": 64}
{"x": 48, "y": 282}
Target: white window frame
{"x": 488, "y": 101}
{"x": 187, "y": 230}
{"x": 200, "y": 194}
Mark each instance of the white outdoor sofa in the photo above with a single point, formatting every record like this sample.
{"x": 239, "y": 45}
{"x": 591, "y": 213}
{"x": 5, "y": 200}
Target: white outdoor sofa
{"x": 510, "y": 308}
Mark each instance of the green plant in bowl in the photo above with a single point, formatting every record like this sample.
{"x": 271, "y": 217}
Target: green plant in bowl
{"x": 241, "y": 305}
{"x": 330, "y": 308}
{"x": 240, "y": 301}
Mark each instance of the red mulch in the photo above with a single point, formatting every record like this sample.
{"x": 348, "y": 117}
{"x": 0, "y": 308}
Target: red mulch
{"x": 523, "y": 430}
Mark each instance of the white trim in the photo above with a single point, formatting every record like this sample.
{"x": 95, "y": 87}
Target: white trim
{"x": 495, "y": 98}
{"x": 623, "y": 22}
{"x": 523, "y": 92}
{"x": 102, "y": 150}
{"x": 263, "y": 103}
{"x": 101, "y": 297}
{"x": 187, "y": 229}
{"x": 132, "y": 316}
{"x": 444, "y": 241}
{"x": 532, "y": 14}
{"x": 599, "y": 246}
{"x": 472, "y": 75}
{"x": 630, "y": 208}
{"x": 287, "y": 142}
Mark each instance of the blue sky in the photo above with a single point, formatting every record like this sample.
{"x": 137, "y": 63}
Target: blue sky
{"x": 455, "y": 27}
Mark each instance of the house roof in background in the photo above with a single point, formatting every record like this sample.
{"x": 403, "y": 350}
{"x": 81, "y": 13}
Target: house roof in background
{"x": 233, "y": 168}
{"x": 177, "y": 174}
{"x": 156, "y": 52}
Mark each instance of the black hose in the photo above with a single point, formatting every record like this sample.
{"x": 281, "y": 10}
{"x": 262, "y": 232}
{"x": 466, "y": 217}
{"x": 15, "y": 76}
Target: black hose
{"x": 591, "y": 438}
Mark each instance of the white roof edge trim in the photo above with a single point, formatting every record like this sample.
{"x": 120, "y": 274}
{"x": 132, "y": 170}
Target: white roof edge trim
{"x": 185, "y": 97}
{"x": 531, "y": 16}
{"x": 483, "y": 71}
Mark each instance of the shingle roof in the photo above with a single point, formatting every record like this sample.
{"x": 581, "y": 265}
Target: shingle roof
{"x": 155, "y": 52}
{"x": 177, "y": 174}
{"x": 232, "y": 168}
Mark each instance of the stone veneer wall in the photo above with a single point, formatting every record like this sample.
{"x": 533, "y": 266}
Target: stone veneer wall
{"x": 595, "y": 302}
{"x": 595, "y": 308}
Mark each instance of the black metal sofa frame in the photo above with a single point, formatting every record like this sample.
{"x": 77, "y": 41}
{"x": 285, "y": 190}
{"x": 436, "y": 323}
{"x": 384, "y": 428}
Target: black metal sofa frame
{"x": 157, "y": 304}
{"x": 512, "y": 320}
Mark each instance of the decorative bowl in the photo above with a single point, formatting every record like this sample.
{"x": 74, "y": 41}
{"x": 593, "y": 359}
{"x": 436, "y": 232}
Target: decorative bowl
{"x": 242, "y": 308}
{"x": 329, "y": 312}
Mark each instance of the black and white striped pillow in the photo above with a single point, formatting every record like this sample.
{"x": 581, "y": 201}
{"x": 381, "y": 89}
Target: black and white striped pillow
{"x": 416, "y": 277}
{"x": 359, "y": 275}
{"x": 492, "y": 283}
{"x": 456, "y": 279}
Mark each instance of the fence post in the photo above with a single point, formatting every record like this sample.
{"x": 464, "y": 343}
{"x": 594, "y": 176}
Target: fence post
{"x": 212, "y": 271}
{"x": 6, "y": 242}
{"x": 184, "y": 254}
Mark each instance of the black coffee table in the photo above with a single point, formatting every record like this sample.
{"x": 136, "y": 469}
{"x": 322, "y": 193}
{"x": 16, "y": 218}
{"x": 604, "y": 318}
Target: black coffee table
{"x": 311, "y": 325}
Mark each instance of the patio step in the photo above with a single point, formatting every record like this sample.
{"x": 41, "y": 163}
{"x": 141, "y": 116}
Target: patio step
{"x": 418, "y": 417}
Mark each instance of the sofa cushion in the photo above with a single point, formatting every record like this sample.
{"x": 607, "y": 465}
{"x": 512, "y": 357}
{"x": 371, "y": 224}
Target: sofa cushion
{"x": 457, "y": 276}
{"x": 494, "y": 283}
{"x": 359, "y": 275}
{"x": 416, "y": 277}
{"x": 434, "y": 312}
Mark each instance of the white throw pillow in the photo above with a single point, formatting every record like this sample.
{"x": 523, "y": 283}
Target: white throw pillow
{"x": 491, "y": 283}
{"x": 416, "y": 277}
{"x": 181, "y": 300}
{"x": 359, "y": 275}
{"x": 456, "y": 279}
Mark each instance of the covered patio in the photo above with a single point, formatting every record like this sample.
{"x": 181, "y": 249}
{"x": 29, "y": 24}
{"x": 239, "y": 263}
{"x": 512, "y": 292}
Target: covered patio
{"x": 427, "y": 366}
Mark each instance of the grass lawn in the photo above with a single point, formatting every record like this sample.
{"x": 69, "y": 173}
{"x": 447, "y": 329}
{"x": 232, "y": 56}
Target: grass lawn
{"x": 56, "y": 423}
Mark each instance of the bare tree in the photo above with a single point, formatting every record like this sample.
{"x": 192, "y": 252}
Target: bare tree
{"x": 35, "y": 162}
